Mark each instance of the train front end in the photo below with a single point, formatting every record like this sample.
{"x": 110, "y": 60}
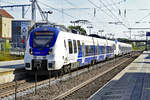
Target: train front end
{"x": 40, "y": 47}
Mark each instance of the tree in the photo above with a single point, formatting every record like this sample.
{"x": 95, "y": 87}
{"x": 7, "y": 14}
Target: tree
{"x": 81, "y": 30}
{"x": 7, "y": 45}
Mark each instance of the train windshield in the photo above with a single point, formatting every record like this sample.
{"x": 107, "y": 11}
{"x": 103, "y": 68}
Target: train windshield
{"x": 42, "y": 39}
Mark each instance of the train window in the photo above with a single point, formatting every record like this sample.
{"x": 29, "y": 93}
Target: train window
{"x": 90, "y": 50}
{"x": 114, "y": 46}
{"x": 103, "y": 50}
{"x": 98, "y": 49}
{"x": 70, "y": 46}
{"x": 75, "y": 46}
{"x": 93, "y": 50}
{"x": 94, "y": 47}
{"x": 79, "y": 48}
{"x": 86, "y": 47}
{"x": 83, "y": 49}
{"x": 42, "y": 39}
{"x": 119, "y": 47}
{"x": 112, "y": 49}
{"x": 107, "y": 49}
{"x": 65, "y": 43}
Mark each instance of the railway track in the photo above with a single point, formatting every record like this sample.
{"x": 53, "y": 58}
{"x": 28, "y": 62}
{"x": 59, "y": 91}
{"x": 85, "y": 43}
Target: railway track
{"x": 9, "y": 89}
{"x": 78, "y": 90}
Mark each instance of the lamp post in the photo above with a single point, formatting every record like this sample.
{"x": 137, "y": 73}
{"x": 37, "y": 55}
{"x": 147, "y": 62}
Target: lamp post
{"x": 73, "y": 22}
{"x": 90, "y": 27}
{"x": 101, "y": 31}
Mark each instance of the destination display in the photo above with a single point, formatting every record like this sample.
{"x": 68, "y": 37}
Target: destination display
{"x": 44, "y": 33}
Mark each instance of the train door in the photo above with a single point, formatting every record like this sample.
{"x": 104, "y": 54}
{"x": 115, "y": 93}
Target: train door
{"x": 83, "y": 52}
{"x": 65, "y": 52}
{"x": 70, "y": 52}
{"x": 75, "y": 50}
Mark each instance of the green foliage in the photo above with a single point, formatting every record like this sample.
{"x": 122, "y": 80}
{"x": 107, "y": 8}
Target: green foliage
{"x": 5, "y": 56}
{"x": 123, "y": 40}
{"x": 138, "y": 48}
{"x": 7, "y": 45}
{"x": 78, "y": 28}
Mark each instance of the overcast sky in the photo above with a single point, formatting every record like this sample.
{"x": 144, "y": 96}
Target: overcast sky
{"x": 136, "y": 11}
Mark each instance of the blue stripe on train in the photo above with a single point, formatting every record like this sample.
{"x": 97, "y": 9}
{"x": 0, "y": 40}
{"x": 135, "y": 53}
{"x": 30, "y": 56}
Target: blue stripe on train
{"x": 101, "y": 57}
{"x": 89, "y": 59}
{"x": 109, "y": 55}
{"x": 80, "y": 61}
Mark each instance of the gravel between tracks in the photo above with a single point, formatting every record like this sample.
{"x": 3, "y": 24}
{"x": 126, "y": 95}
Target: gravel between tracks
{"x": 49, "y": 93}
{"x": 85, "y": 92}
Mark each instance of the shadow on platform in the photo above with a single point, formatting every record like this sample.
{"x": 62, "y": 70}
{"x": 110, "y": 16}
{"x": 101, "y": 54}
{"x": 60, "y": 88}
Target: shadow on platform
{"x": 131, "y": 86}
{"x": 146, "y": 62}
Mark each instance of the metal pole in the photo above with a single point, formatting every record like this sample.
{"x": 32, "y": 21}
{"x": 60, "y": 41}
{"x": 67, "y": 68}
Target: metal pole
{"x": 33, "y": 10}
{"x": 23, "y": 14}
{"x": 90, "y": 30}
{"x": 47, "y": 17}
{"x": 146, "y": 43}
{"x": 36, "y": 82}
{"x": 130, "y": 34}
{"x": 49, "y": 78}
{"x": 15, "y": 89}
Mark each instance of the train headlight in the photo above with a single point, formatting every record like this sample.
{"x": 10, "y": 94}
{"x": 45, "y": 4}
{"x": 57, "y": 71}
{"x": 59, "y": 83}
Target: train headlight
{"x": 50, "y": 51}
{"x": 31, "y": 51}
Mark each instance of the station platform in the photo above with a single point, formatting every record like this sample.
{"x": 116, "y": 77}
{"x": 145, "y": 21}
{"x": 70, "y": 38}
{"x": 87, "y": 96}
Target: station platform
{"x": 132, "y": 83}
{"x": 8, "y": 68}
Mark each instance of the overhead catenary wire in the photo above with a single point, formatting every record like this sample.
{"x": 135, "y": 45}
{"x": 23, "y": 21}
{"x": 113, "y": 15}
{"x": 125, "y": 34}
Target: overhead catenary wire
{"x": 124, "y": 13}
{"x": 41, "y": 13}
{"x": 100, "y": 9}
{"x": 104, "y": 12}
{"x": 86, "y": 11}
{"x": 116, "y": 7}
{"x": 113, "y": 17}
{"x": 113, "y": 14}
{"x": 46, "y": 5}
{"x": 148, "y": 15}
{"x": 70, "y": 3}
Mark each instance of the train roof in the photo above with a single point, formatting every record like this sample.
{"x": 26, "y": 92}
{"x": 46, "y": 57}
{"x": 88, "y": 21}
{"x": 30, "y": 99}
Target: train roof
{"x": 102, "y": 37}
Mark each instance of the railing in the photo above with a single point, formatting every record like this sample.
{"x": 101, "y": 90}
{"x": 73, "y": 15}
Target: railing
{"x": 16, "y": 51}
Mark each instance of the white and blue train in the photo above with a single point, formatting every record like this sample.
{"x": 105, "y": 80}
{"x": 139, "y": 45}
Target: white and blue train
{"x": 49, "y": 48}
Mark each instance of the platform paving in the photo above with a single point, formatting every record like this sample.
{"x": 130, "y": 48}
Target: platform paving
{"x": 132, "y": 83}
{"x": 11, "y": 65}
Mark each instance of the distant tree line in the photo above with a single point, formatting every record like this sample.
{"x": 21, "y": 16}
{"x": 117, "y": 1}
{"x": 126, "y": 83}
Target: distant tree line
{"x": 78, "y": 30}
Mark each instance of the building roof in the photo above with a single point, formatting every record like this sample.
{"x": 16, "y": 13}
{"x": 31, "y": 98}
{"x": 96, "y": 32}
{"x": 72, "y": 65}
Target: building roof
{"x": 4, "y": 13}
{"x": 22, "y": 20}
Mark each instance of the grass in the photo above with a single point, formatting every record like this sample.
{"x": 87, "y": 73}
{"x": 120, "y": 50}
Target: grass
{"x": 140, "y": 48}
{"x": 5, "y": 56}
